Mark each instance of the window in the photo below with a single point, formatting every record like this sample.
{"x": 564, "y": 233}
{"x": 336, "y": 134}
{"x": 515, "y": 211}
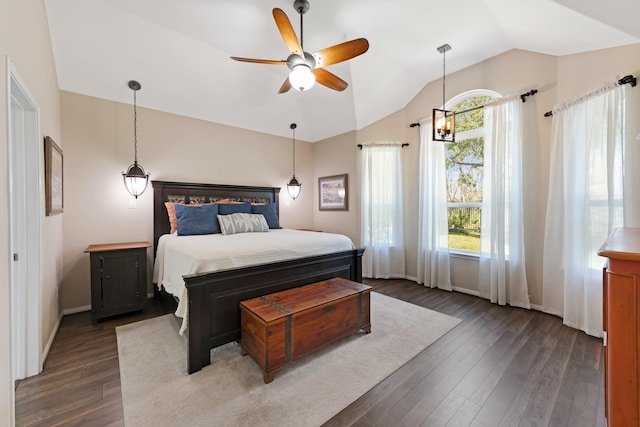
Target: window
{"x": 382, "y": 196}
{"x": 382, "y": 218}
{"x": 464, "y": 161}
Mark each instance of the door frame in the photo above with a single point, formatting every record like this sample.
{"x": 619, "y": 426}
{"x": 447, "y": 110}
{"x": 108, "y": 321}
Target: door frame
{"x": 25, "y": 181}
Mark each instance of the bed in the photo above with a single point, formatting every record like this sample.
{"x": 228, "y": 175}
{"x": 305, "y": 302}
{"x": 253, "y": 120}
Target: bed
{"x": 213, "y": 297}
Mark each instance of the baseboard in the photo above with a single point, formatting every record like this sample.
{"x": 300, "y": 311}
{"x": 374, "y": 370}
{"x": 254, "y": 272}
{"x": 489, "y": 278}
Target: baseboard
{"x": 75, "y": 310}
{"x": 545, "y": 310}
{"x": 477, "y": 294}
{"x": 466, "y": 291}
{"x": 52, "y": 336}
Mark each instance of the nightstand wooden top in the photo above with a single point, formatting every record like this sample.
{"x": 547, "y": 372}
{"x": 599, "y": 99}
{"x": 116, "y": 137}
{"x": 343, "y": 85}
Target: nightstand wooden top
{"x": 106, "y": 247}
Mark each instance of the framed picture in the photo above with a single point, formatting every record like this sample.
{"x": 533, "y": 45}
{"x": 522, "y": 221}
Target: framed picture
{"x": 52, "y": 176}
{"x": 333, "y": 193}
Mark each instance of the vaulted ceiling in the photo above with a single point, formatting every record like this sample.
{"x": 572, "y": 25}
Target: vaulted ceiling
{"x": 179, "y": 51}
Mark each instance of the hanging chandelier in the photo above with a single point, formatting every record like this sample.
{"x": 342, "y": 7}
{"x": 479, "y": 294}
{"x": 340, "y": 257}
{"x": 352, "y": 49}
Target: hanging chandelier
{"x": 443, "y": 121}
{"x": 293, "y": 187}
{"x": 135, "y": 179}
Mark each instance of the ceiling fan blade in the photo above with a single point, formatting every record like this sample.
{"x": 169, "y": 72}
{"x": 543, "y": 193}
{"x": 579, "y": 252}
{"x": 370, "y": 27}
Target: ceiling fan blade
{"x": 261, "y": 61}
{"x": 287, "y": 32}
{"x": 285, "y": 86}
{"x": 330, "y": 80}
{"x": 341, "y": 52}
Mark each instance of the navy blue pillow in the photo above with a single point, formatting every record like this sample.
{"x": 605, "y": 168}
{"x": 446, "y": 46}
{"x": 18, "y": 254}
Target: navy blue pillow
{"x": 231, "y": 208}
{"x": 269, "y": 212}
{"x": 197, "y": 219}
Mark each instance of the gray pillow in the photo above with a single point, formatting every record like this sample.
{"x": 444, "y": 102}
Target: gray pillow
{"x": 242, "y": 223}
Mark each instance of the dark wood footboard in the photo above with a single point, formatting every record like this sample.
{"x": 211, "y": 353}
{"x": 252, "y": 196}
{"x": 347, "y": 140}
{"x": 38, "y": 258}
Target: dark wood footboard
{"x": 214, "y": 298}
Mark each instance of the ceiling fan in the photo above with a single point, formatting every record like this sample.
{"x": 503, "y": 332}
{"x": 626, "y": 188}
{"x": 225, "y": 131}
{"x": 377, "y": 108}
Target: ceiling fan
{"x": 306, "y": 68}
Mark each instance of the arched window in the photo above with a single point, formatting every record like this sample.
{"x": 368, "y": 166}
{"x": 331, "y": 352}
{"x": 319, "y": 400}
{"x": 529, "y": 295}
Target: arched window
{"x": 464, "y": 162}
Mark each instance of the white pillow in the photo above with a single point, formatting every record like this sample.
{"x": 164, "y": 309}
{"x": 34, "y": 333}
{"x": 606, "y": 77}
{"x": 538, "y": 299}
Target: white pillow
{"x": 242, "y": 223}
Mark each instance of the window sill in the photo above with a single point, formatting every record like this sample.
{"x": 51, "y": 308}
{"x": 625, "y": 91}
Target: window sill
{"x": 458, "y": 253}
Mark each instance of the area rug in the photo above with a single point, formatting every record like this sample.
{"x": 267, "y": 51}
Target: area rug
{"x": 157, "y": 391}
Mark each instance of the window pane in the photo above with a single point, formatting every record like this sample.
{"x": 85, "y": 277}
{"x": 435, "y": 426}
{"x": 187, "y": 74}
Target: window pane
{"x": 464, "y": 163}
{"x": 472, "y": 119}
{"x": 464, "y": 227}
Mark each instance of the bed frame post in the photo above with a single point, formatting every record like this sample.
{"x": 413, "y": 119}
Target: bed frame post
{"x": 194, "y": 332}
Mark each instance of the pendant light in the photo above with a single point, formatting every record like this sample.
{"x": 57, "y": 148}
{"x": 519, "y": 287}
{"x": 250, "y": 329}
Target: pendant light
{"x": 443, "y": 121}
{"x": 135, "y": 179}
{"x": 293, "y": 187}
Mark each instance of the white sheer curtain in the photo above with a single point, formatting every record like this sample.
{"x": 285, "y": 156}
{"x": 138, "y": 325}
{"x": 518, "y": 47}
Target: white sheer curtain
{"x": 433, "y": 229}
{"x": 382, "y": 211}
{"x": 585, "y": 204}
{"x": 502, "y": 260}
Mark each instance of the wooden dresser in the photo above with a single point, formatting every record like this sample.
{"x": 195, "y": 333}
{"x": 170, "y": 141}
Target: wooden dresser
{"x": 621, "y": 320}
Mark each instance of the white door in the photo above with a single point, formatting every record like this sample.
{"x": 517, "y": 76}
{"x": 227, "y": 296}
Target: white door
{"x": 25, "y": 190}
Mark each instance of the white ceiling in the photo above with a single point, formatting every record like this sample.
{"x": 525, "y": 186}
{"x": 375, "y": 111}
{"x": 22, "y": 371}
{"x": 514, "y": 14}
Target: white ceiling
{"x": 179, "y": 51}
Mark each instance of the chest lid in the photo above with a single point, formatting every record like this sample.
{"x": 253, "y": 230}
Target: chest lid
{"x": 281, "y": 304}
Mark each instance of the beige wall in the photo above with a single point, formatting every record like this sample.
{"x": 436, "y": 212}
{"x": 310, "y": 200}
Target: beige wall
{"x": 516, "y": 71}
{"x": 24, "y": 38}
{"x": 98, "y": 137}
{"x": 338, "y": 155}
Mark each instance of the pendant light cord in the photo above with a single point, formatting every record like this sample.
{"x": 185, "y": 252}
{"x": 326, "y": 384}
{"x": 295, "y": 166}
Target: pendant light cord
{"x": 444, "y": 74}
{"x": 135, "y": 129}
{"x": 294, "y": 151}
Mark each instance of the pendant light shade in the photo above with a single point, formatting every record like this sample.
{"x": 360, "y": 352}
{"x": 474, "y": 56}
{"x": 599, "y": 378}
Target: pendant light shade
{"x": 294, "y": 186}
{"x": 443, "y": 121}
{"x": 135, "y": 178}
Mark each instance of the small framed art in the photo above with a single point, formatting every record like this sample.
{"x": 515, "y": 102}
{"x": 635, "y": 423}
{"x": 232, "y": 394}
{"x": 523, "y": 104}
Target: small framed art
{"x": 52, "y": 176}
{"x": 333, "y": 193}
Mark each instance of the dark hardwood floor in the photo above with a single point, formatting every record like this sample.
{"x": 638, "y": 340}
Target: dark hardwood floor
{"x": 501, "y": 366}
{"x": 80, "y": 383}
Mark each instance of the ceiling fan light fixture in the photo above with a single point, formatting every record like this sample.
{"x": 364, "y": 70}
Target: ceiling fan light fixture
{"x": 301, "y": 77}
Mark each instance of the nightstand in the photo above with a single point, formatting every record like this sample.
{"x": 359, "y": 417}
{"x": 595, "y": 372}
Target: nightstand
{"x": 118, "y": 278}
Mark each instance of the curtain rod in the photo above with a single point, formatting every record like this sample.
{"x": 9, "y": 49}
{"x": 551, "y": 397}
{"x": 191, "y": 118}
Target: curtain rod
{"x": 623, "y": 81}
{"x": 523, "y": 97}
{"x": 403, "y": 145}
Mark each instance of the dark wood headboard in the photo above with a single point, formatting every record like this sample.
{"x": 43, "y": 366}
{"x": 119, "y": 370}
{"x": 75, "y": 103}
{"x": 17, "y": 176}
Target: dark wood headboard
{"x": 188, "y": 192}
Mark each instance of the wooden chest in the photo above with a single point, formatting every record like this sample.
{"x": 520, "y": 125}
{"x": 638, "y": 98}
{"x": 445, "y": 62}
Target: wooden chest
{"x": 281, "y": 327}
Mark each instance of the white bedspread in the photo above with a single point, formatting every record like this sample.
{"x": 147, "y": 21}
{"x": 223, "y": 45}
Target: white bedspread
{"x": 181, "y": 255}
